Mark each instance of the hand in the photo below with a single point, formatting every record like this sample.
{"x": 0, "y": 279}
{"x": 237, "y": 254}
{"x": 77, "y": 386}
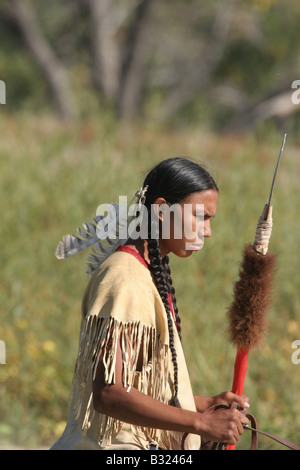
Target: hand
{"x": 222, "y": 425}
{"x": 227, "y": 398}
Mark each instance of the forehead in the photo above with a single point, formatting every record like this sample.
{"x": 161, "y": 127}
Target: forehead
{"x": 208, "y": 197}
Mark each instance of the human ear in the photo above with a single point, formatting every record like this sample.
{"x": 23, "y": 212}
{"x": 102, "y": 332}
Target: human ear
{"x": 158, "y": 210}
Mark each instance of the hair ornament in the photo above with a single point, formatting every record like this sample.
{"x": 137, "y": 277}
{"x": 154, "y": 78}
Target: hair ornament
{"x": 104, "y": 233}
{"x": 141, "y": 194}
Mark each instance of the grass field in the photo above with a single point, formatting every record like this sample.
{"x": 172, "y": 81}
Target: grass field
{"x": 53, "y": 177}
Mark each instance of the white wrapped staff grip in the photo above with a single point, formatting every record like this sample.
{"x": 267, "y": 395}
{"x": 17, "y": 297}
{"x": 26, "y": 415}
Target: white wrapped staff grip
{"x": 263, "y": 231}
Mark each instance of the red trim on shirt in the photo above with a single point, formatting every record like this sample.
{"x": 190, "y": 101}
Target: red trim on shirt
{"x": 172, "y": 308}
{"x": 127, "y": 249}
{"x": 133, "y": 252}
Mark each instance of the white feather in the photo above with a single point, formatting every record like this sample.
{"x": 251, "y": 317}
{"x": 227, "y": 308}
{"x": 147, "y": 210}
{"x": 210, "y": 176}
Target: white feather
{"x": 103, "y": 234}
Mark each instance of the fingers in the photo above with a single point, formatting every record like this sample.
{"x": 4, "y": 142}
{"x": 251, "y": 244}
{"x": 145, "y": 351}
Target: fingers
{"x": 226, "y": 423}
{"x": 237, "y": 422}
{"x": 236, "y": 428}
{"x": 230, "y": 423}
{"x": 242, "y": 401}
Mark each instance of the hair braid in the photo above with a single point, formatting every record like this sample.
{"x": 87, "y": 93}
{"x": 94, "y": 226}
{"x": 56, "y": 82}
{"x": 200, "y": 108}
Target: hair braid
{"x": 172, "y": 292}
{"x": 158, "y": 273}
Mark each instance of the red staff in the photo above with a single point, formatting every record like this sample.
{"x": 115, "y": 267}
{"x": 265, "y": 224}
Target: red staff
{"x": 252, "y": 295}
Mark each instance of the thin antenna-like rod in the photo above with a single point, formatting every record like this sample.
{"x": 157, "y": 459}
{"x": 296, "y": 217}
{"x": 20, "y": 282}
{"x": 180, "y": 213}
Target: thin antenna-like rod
{"x": 274, "y": 177}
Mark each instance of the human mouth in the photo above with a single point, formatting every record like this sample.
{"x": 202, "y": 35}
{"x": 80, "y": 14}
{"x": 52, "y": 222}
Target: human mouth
{"x": 194, "y": 246}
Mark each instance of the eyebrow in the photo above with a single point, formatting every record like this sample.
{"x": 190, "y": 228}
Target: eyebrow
{"x": 207, "y": 214}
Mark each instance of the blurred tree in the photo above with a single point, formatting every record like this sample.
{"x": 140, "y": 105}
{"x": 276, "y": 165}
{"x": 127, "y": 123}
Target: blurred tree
{"x": 176, "y": 61}
{"x": 105, "y": 48}
{"x": 135, "y": 64}
{"x": 119, "y": 52}
{"x": 201, "y": 73}
{"x": 22, "y": 13}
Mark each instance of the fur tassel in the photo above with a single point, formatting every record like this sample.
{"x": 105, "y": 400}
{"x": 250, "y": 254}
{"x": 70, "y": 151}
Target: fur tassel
{"x": 252, "y": 299}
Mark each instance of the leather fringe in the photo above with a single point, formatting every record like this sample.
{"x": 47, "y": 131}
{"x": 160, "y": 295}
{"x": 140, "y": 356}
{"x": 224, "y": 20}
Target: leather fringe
{"x": 98, "y": 341}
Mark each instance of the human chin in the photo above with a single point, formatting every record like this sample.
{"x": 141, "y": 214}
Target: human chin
{"x": 184, "y": 251}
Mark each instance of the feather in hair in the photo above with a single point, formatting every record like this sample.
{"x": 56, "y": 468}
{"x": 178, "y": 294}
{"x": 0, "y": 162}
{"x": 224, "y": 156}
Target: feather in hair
{"x": 72, "y": 244}
{"x": 105, "y": 234}
{"x": 112, "y": 232}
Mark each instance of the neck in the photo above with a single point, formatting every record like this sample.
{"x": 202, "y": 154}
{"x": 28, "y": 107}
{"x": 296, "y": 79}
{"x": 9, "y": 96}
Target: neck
{"x": 141, "y": 246}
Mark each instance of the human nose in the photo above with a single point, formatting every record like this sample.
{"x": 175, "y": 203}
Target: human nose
{"x": 207, "y": 229}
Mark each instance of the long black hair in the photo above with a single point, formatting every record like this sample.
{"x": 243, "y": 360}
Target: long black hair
{"x": 173, "y": 179}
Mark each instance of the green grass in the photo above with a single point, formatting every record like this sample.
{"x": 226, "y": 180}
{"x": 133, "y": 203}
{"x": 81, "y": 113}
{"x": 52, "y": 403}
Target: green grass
{"x": 52, "y": 179}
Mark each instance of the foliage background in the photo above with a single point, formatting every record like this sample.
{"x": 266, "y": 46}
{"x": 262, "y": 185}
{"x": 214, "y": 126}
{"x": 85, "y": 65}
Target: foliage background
{"x": 55, "y": 169}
